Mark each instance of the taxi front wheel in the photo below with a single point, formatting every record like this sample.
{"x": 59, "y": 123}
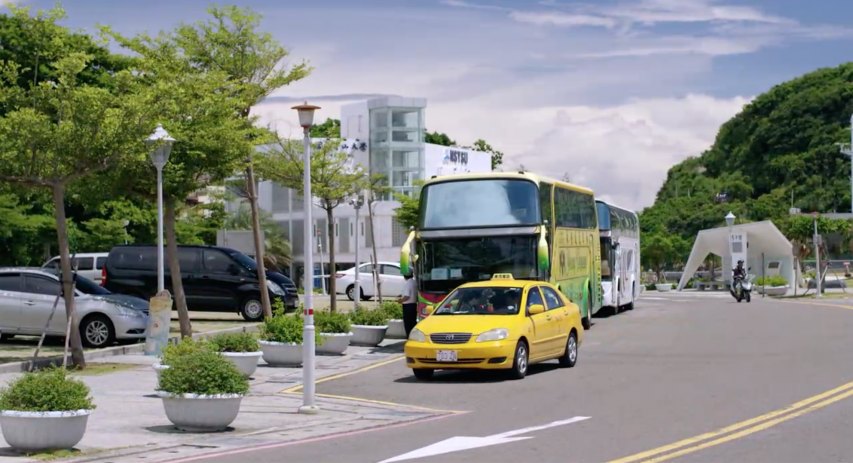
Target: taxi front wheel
{"x": 570, "y": 356}
{"x": 423, "y": 373}
{"x": 520, "y": 361}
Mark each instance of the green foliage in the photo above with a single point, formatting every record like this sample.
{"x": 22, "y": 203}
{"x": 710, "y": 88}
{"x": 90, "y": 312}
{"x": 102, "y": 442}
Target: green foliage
{"x": 285, "y": 328}
{"x": 773, "y": 280}
{"x": 375, "y": 317}
{"x": 184, "y": 347}
{"x": 277, "y": 248}
{"x": 47, "y": 390}
{"x": 408, "y": 213}
{"x": 331, "y": 322}
{"x": 497, "y": 156}
{"x": 437, "y": 138}
{"x": 393, "y": 310}
{"x": 235, "y": 342}
{"x": 780, "y": 145}
{"x": 331, "y": 128}
{"x": 202, "y": 372}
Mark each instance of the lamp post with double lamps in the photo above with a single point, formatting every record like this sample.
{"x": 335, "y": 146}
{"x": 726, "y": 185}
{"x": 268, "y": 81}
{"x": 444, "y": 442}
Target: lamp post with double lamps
{"x": 306, "y": 120}
{"x": 160, "y": 143}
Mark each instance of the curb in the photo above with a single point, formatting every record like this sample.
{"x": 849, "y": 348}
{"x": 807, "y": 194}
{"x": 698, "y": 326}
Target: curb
{"x": 42, "y": 362}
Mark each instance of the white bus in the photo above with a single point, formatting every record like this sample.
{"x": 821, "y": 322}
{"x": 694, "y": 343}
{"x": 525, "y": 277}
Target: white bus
{"x": 619, "y": 231}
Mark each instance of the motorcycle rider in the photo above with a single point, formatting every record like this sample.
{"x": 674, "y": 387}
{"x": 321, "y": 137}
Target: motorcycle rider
{"x": 738, "y": 274}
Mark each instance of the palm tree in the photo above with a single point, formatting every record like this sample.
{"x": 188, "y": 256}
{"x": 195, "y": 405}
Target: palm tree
{"x": 277, "y": 247}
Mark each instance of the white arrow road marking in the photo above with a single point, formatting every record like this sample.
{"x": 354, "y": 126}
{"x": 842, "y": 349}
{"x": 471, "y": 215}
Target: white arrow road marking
{"x": 459, "y": 443}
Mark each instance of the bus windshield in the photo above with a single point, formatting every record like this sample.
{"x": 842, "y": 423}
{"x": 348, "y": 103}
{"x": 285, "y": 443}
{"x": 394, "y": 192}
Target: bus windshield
{"x": 479, "y": 203}
{"x": 447, "y": 263}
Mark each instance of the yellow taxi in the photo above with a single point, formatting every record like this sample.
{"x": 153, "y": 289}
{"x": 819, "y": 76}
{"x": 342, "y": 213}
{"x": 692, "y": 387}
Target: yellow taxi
{"x": 498, "y": 324}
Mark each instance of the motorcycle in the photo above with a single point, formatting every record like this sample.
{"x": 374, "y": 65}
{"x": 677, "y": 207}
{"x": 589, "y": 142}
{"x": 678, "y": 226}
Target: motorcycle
{"x": 742, "y": 288}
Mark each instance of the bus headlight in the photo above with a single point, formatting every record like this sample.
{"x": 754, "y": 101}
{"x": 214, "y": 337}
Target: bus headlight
{"x": 417, "y": 336}
{"x": 497, "y": 334}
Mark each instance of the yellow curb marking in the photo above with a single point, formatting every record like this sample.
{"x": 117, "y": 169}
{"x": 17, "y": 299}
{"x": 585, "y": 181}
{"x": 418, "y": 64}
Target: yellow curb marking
{"x": 324, "y": 379}
{"x": 744, "y": 428}
{"x": 392, "y": 404}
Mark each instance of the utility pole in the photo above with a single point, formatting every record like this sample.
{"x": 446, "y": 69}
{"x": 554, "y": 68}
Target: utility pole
{"x": 848, "y": 150}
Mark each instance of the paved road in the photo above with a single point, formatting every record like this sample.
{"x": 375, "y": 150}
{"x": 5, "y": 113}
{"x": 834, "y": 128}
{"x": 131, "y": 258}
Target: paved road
{"x": 678, "y": 366}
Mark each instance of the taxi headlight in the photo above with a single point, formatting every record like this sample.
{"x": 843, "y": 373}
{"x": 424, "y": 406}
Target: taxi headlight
{"x": 497, "y": 334}
{"x": 417, "y": 336}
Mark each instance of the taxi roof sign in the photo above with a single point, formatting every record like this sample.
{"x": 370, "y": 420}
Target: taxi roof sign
{"x": 502, "y": 276}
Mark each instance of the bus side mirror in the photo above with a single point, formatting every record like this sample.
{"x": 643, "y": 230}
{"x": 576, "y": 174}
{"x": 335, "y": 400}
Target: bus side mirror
{"x": 536, "y": 309}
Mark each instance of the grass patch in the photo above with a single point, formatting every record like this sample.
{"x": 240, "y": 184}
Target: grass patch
{"x": 52, "y": 455}
{"x": 96, "y": 369}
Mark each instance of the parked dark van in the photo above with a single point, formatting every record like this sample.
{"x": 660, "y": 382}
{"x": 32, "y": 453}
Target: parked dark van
{"x": 215, "y": 279}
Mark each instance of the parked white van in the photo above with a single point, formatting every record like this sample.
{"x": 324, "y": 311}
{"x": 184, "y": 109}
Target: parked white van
{"x": 87, "y": 264}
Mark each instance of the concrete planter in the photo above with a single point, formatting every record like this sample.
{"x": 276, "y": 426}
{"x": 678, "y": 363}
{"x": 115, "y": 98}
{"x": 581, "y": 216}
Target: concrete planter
{"x": 334, "y": 343}
{"x": 396, "y": 329}
{"x": 281, "y": 353}
{"x": 776, "y": 291}
{"x": 159, "y": 368}
{"x": 663, "y": 287}
{"x": 246, "y": 362}
{"x": 368, "y": 335}
{"x": 201, "y": 413}
{"x": 40, "y": 431}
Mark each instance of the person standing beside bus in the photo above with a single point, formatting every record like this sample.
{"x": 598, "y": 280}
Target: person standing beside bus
{"x": 409, "y": 300}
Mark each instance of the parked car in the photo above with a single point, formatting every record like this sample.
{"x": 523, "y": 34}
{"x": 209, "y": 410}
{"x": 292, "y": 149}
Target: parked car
{"x": 389, "y": 275}
{"x": 27, "y": 296}
{"x": 87, "y": 264}
{"x": 214, "y": 278}
{"x": 501, "y": 324}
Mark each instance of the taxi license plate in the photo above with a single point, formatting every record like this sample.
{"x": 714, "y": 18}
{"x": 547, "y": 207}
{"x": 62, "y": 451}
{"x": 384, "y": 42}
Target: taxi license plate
{"x": 446, "y": 356}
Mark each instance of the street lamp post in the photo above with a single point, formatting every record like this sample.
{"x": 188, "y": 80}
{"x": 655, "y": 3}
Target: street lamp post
{"x": 817, "y": 256}
{"x": 356, "y": 203}
{"x": 306, "y": 120}
{"x": 730, "y": 221}
{"x": 161, "y": 146}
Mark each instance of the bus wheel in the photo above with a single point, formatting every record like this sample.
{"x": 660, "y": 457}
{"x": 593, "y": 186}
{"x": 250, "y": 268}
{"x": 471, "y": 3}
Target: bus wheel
{"x": 630, "y": 305}
{"x": 587, "y": 321}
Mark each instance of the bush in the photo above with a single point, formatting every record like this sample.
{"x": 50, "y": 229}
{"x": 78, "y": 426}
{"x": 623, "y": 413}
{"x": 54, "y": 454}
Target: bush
{"x": 45, "y": 391}
{"x": 235, "y": 342}
{"x": 203, "y": 372}
{"x": 328, "y": 322}
{"x": 184, "y": 347}
{"x": 393, "y": 310}
{"x": 282, "y": 328}
{"x": 774, "y": 280}
{"x": 369, "y": 317}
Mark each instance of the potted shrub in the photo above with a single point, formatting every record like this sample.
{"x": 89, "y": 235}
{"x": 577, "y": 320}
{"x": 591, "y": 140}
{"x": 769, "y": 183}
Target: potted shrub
{"x": 242, "y": 349}
{"x": 334, "y": 329}
{"x": 775, "y": 285}
{"x": 368, "y": 326}
{"x": 281, "y": 339}
{"x": 46, "y": 410}
{"x": 394, "y": 312}
{"x": 177, "y": 349}
{"x": 663, "y": 286}
{"x": 202, "y": 391}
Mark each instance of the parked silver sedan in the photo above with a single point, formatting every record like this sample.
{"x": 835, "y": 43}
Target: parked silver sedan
{"x": 27, "y": 296}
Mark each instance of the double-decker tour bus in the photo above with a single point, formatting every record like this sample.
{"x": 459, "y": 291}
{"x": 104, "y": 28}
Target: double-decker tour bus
{"x": 473, "y": 226}
{"x": 620, "y": 256}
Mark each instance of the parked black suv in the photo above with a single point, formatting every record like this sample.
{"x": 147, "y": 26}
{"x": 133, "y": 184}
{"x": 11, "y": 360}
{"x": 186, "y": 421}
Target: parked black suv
{"x": 215, "y": 279}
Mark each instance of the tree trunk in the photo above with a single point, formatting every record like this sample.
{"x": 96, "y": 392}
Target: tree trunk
{"x": 77, "y": 356}
{"x": 330, "y": 221}
{"x": 175, "y": 270}
{"x": 376, "y": 283}
{"x": 259, "y": 243}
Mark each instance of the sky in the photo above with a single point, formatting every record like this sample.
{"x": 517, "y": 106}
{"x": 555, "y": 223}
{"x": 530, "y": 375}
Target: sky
{"x": 611, "y": 93}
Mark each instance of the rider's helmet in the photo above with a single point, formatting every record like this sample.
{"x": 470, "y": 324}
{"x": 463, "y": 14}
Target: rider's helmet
{"x": 740, "y": 262}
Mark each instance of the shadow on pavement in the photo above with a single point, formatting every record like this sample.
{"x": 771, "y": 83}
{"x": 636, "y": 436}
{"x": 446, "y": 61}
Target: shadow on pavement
{"x": 475, "y": 376}
{"x": 170, "y": 429}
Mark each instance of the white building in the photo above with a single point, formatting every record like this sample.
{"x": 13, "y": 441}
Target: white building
{"x": 386, "y": 136}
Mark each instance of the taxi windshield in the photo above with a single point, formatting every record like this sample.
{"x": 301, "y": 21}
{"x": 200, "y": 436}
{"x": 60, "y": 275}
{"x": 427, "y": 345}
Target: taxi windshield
{"x": 481, "y": 301}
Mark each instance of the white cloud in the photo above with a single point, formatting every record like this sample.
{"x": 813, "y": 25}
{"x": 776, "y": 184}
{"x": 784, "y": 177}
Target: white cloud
{"x": 687, "y": 11}
{"x": 561, "y": 19}
{"x": 710, "y": 46}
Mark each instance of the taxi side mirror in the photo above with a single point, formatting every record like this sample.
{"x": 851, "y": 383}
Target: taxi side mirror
{"x": 428, "y": 310}
{"x": 535, "y": 309}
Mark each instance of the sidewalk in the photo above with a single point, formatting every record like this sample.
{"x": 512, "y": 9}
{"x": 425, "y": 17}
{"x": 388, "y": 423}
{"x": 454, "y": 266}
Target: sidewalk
{"x": 129, "y": 423}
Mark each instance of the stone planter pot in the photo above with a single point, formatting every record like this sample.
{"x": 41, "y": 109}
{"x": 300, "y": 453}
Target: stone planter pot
{"x": 159, "y": 368}
{"x": 281, "y": 353}
{"x": 396, "y": 329}
{"x": 334, "y": 343}
{"x": 776, "y": 291}
{"x": 40, "y": 431}
{"x": 663, "y": 287}
{"x": 201, "y": 413}
{"x": 368, "y": 335}
{"x": 246, "y": 362}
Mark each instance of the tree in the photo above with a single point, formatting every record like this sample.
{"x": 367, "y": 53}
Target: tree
{"x": 277, "y": 250}
{"x": 497, "y": 156}
{"x": 230, "y": 43}
{"x": 334, "y": 180}
{"x": 409, "y": 210}
{"x": 331, "y": 128}
{"x": 437, "y": 138}
{"x": 657, "y": 251}
{"x": 56, "y": 132}
{"x": 377, "y": 187}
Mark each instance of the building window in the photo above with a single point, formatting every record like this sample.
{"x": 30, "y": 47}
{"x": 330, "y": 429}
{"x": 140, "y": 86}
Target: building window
{"x": 398, "y": 234}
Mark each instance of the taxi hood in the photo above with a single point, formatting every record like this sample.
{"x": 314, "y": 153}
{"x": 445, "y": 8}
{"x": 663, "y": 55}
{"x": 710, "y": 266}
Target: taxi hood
{"x": 476, "y": 324}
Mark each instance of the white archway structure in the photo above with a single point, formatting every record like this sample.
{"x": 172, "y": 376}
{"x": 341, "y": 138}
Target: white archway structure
{"x": 764, "y": 240}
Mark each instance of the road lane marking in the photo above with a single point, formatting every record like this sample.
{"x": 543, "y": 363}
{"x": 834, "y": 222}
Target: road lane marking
{"x": 324, "y": 379}
{"x": 752, "y": 425}
{"x": 392, "y": 404}
{"x": 460, "y": 443}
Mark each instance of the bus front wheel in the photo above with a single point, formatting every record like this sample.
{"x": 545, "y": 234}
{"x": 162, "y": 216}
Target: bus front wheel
{"x": 587, "y": 321}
